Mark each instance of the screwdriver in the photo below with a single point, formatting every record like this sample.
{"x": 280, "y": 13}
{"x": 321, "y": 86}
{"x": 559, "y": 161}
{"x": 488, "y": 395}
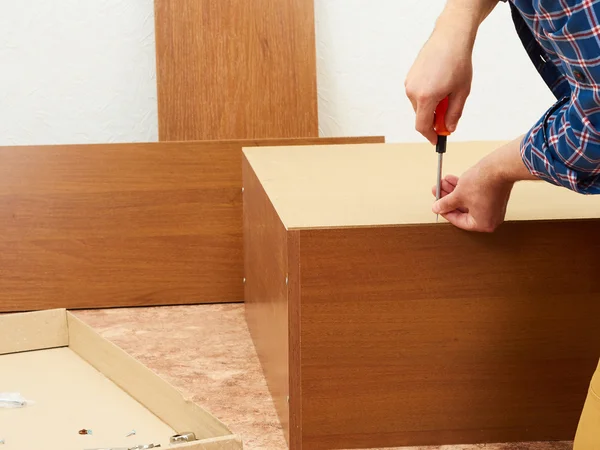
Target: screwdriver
{"x": 439, "y": 125}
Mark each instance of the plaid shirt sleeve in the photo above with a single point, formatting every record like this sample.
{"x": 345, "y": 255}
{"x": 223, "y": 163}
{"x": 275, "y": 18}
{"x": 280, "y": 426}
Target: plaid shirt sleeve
{"x": 563, "y": 147}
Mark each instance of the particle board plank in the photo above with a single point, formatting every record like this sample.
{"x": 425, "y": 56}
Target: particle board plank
{"x": 427, "y": 335}
{"x": 74, "y": 379}
{"x": 266, "y": 272}
{"x": 69, "y": 395}
{"x": 104, "y": 225}
{"x": 141, "y": 383}
{"x": 587, "y": 430}
{"x": 26, "y": 332}
{"x": 235, "y": 69}
{"x": 355, "y": 185}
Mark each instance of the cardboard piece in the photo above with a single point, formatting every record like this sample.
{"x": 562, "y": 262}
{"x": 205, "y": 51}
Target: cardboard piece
{"x": 85, "y": 382}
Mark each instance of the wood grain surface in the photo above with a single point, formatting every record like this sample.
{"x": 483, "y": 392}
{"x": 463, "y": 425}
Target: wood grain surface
{"x": 236, "y": 69}
{"x": 427, "y": 335}
{"x": 266, "y": 299}
{"x": 87, "y": 226}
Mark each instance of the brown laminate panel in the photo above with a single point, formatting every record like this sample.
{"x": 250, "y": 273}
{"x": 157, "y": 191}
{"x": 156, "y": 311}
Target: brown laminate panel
{"x": 119, "y": 225}
{"x": 236, "y": 69}
{"x": 266, "y": 284}
{"x": 427, "y": 335}
{"x": 104, "y": 225}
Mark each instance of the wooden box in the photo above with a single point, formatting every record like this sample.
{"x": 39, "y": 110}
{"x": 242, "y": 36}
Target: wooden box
{"x": 377, "y": 326}
{"x": 78, "y": 380}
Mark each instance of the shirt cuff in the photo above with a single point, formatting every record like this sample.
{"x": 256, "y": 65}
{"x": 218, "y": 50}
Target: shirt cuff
{"x": 546, "y": 148}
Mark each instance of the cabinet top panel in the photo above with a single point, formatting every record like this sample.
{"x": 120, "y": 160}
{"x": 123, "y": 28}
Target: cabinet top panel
{"x": 388, "y": 184}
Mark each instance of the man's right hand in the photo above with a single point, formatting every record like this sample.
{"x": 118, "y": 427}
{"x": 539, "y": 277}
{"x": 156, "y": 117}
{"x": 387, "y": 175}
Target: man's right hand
{"x": 444, "y": 67}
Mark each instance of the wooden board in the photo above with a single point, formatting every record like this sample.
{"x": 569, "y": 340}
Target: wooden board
{"x": 70, "y": 395}
{"x": 265, "y": 247}
{"x": 26, "y": 332}
{"x": 388, "y": 184}
{"x": 236, "y": 69}
{"x": 85, "y": 382}
{"x": 587, "y": 431}
{"x": 88, "y": 226}
{"x": 425, "y": 335}
{"x": 405, "y": 332}
{"x": 157, "y": 395}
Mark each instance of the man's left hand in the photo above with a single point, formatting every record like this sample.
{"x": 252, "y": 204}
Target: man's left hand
{"x": 477, "y": 201}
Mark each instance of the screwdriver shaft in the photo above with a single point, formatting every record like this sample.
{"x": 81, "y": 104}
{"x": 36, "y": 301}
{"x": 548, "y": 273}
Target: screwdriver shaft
{"x": 438, "y": 193}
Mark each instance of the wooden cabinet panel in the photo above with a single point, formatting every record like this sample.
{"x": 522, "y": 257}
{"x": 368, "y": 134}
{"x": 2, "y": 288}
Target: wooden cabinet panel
{"x": 236, "y": 69}
{"x": 401, "y": 331}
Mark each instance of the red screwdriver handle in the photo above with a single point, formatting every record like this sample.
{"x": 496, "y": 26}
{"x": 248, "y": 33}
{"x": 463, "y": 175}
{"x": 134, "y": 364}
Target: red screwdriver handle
{"x": 439, "y": 122}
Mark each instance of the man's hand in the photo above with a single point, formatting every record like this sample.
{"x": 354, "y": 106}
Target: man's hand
{"x": 444, "y": 68}
{"x": 477, "y": 200}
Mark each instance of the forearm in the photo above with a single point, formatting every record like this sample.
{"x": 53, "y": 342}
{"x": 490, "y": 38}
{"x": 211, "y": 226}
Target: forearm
{"x": 465, "y": 15}
{"x": 506, "y": 164}
{"x": 474, "y": 10}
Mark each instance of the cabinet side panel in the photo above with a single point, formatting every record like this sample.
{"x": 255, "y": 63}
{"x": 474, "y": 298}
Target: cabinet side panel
{"x": 265, "y": 271}
{"x": 427, "y": 335}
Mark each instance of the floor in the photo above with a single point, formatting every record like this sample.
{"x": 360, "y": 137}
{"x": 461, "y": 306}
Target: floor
{"x": 206, "y": 352}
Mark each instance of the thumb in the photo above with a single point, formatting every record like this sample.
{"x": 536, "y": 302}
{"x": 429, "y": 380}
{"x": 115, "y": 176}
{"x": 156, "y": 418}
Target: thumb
{"x": 456, "y": 105}
{"x": 447, "y": 204}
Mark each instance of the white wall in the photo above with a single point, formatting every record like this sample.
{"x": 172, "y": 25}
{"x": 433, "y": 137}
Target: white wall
{"x": 365, "y": 48}
{"x": 74, "y": 71}
{"x": 84, "y": 71}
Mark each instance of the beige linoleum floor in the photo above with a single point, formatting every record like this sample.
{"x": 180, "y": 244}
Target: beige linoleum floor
{"x": 206, "y": 352}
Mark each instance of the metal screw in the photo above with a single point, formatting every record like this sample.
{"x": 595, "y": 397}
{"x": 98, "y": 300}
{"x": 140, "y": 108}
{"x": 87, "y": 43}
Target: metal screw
{"x": 242, "y": 188}
{"x": 244, "y": 280}
{"x": 286, "y": 279}
{"x": 131, "y": 433}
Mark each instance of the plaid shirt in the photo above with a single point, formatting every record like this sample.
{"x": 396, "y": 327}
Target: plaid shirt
{"x": 562, "y": 38}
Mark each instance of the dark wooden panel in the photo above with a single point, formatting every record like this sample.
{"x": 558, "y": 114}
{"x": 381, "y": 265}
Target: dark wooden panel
{"x": 123, "y": 224}
{"x": 266, "y": 297}
{"x": 236, "y": 69}
{"x": 418, "y": 335}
